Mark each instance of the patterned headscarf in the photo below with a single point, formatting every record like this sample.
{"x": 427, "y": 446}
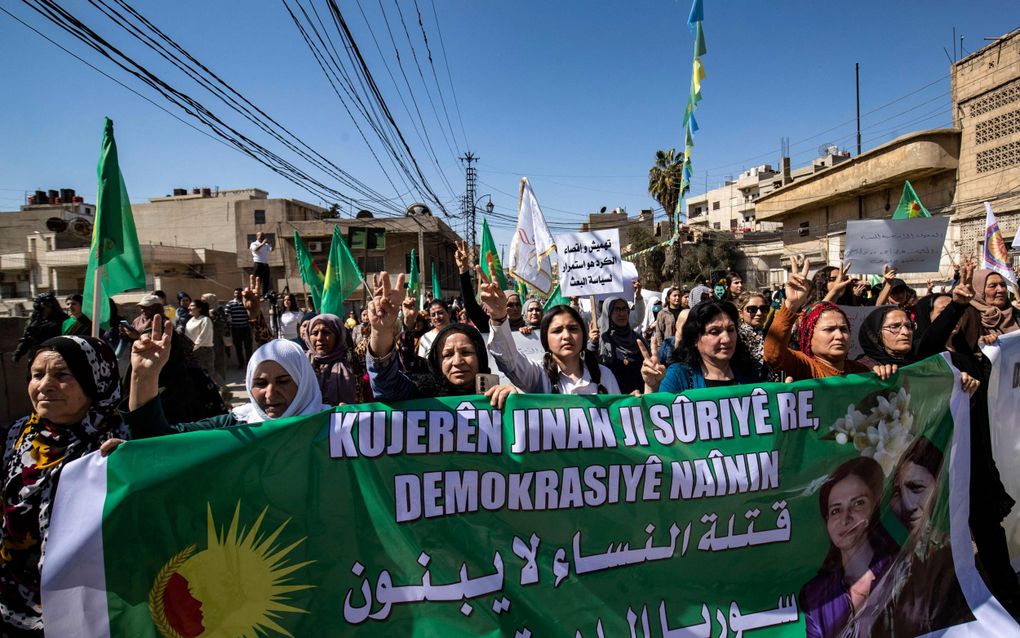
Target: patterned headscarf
{"x": 34, "y": 455}
{"x": 807, "y": 324}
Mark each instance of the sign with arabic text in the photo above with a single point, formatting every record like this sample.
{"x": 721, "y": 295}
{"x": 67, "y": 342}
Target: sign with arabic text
{"x": 908, "y": 245}
{"x": 720, "y": 512}
{"x": 590, "y": 263}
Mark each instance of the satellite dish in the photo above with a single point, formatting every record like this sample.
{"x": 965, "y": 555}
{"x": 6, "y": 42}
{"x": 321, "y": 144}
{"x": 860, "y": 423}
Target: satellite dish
{"x": 56, "y": 224}
{"x": 826, "y": 148}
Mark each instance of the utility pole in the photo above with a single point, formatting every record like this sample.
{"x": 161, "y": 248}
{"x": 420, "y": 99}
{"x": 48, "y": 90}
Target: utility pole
{"x": 857, "y": 80}
{"x": 471, "y": 176}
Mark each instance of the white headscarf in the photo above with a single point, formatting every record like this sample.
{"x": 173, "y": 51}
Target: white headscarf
{"x": 293, "y": 359}
{"x": 650, "y": 313}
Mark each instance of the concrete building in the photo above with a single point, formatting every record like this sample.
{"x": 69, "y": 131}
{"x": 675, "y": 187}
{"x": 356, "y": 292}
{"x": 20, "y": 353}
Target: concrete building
{"x": 814, "y": 210}
{"x": 986, "y": 110}
{"x": 378, "y": 244}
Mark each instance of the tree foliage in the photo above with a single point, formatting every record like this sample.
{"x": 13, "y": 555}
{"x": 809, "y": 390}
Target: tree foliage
{"x": 664, "y": 179}
{"x": 713, "y": 253}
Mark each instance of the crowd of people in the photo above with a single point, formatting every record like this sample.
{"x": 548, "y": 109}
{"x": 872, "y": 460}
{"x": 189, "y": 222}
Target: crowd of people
{"x": 712, "y": 334}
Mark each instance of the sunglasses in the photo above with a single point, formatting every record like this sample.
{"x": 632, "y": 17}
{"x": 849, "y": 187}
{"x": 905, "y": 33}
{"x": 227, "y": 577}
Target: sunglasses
{"x": 753, "y": 310}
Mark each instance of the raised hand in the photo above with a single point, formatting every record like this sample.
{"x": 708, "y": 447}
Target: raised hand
{"x": 652, "y": 371}
{"x": 963, "y": 292}
{"x": 250, "y": 295}
{"x": 492, "y": 297}
{"x": 637, "y": 289}
{"x": 462, "y": 257}
{"x": 409, "y": 308}
{"x": 798, "y": 286}
{"x": 837, "y": 287}
{"x": 593, "y": 332}
{"x": 382, "y": 313}
{"x": 888, "y": 274}
{"x": 149, "y": 353}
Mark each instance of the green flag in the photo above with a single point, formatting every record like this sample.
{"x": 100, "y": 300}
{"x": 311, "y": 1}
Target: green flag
{"x": 311, "y": 275}
{"x": 556, "y": 299}
{"x": 522, "y": 290}
{"x": 414, "y": 277}
{"x": 437, "y": 290}
{"x": 114, "y": 241}
{"x": 910, "y": 205}
{"x": 489, "y": 248}
{"x": 342, "y": 276}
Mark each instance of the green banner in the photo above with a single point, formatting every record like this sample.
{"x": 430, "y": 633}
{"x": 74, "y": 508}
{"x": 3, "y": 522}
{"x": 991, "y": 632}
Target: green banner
{"x": 713, "y": 513}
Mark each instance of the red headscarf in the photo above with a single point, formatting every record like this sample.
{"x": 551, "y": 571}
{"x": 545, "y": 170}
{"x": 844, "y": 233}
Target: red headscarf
{"x": 807, "y": 324}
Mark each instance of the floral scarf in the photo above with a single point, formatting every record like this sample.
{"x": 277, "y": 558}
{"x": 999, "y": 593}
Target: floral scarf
{"x": 34, "y": 454}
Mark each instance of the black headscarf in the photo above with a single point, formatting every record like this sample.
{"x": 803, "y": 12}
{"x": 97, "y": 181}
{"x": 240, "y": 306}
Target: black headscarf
{"x": 923, "y": 309}
{"x": 435, "y": 383}
{"x": 870, "y": 338}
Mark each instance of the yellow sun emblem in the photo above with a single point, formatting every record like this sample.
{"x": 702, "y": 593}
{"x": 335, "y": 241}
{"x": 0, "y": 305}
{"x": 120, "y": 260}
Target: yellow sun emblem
{"x": 237, "y": 586}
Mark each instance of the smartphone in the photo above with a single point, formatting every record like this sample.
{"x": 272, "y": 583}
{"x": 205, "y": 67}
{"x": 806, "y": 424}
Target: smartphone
{"x": 485, "y": 381}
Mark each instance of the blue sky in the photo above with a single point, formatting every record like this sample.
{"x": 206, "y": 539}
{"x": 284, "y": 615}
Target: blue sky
{"x": 578, "y": 96}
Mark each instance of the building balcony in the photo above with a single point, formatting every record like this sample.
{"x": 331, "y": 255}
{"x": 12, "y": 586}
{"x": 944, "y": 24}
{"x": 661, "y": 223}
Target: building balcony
{"x": 15, "y": 261}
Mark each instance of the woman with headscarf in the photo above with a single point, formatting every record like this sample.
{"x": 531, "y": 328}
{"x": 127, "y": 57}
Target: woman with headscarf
{"x": 533, "y": 309}
{"x": 665, "y": 322}
{"x": 824, "y": 335}
{"x": 74, "y": 389}
{"x": 651, "y": 313}
{"x": 329, "y": 347}
{"x": 993, "y": 314}
{"x": 44, "y": 323}
{"x": 455, "y": 360}
{"x": 617, "y": 344}
{"x": 279, "y": 379}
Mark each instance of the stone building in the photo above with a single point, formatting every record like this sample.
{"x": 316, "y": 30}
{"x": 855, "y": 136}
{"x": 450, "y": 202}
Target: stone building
{"x": 986, "y": 110}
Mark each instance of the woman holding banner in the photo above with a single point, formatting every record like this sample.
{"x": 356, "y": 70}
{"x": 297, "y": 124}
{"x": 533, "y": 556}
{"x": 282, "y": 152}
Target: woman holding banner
{"x": 74, "y": 387}
{"x": 710, "y": 353}
{"x": 279, "y": 379}
{"x": 824, "y": 334}
{"x": 455, "y": 360}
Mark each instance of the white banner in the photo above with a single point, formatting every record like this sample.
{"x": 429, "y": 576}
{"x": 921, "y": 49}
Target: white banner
{"x": 590, "y": 263}
{"x": 1003, "y": 407}
{"x": 908, "y": 245}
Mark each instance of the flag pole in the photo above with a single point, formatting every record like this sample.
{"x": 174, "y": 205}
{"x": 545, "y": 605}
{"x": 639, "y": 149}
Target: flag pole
{"x": 97, "y": 297}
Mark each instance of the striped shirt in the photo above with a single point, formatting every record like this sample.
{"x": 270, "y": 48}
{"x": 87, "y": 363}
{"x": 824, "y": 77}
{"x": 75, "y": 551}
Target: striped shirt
{"x": 237, "y": 316}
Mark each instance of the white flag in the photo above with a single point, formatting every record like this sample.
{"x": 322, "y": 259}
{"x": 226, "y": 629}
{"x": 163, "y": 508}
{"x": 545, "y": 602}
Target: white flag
{"x": 995, "y": 257}
{"x": 532, "y": 244}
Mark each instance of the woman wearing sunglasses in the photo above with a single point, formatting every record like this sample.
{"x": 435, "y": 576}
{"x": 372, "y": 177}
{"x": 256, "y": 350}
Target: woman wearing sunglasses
{"x": 754, "y": 308}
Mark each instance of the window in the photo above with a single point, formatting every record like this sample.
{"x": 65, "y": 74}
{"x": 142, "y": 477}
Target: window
{"x": 357, "y": 236}
{"x": 260, "y": 216}
{"x": 715, "y": 205}
{"x": 716, "y": 226}
{"x": 804, "y": 229}
{"x": 376, "y": 263}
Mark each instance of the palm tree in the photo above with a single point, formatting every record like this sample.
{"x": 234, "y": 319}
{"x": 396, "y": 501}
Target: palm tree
{"x": 664, "y": 179}
{"x": 664, "y": 185}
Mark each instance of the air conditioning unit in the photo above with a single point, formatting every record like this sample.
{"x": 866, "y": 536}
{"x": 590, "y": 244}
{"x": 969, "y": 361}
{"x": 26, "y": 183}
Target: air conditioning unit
{"x": 315, "y": 246}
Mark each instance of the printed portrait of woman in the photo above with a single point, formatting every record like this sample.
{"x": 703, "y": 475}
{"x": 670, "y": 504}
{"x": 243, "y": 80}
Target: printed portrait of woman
{"x": 920, "y": 594}
{"x": 860, "y": 549}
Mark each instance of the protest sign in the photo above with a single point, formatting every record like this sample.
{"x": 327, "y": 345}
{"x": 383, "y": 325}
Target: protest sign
{"x": 590, "y": 263}
{"x": 529, "y": 345}
{"x": 1003, "y": 408}
{"x": 856, "y": 315}
{"x": 717, "y": 512}
{"x": 629, "y": 275}
{"x": 908, "y": 245}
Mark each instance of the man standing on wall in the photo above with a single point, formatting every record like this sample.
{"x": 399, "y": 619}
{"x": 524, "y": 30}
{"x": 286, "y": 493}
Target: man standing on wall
{"x": 260, "y": 249}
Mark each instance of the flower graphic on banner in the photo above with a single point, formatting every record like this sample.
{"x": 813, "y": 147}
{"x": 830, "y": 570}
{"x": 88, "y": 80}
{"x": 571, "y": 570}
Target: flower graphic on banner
{"x": 238, "y": 585}
{"x": 883, "y": 433}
